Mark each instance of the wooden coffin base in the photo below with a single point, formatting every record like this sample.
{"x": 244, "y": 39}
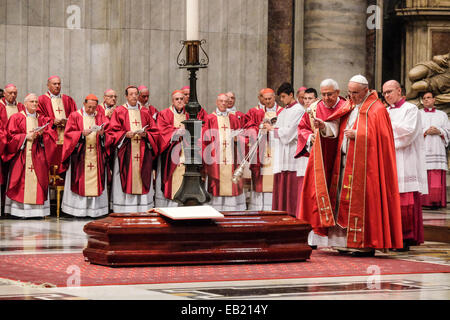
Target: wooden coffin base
{"x": 241, "y": 237}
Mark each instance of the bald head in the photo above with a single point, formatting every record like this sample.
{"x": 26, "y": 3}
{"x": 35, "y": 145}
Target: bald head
{"x": 231, "y": 99}
{"x": 54, "y": 85}
{"x": 392, "y": 92}
{"x": 31, "y": 103}
{"x": 222, "y": 102}
{"x": 10, "y": 94}
{"x": 110, "y": 98}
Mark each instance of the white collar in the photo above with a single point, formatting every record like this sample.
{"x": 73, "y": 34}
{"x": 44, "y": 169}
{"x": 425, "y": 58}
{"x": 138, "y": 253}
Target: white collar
{"x": 273, "y": 109}
{"x": 222, "y": 114}
{"x": 53, "y": 96}
{"x": 136, "y": 107}
{"x": 232, "y": 109}
{"x": 9, "y": 104}
{"x": 33, "y": 115}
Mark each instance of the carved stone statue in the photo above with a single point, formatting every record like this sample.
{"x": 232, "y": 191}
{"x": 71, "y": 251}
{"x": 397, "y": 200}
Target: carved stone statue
{"x": 432, "y": 75}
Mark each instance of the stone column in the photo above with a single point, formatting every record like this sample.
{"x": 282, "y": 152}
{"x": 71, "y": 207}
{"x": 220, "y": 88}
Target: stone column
{"x": 280, "y": 43}
{"x": 334, "y": 41}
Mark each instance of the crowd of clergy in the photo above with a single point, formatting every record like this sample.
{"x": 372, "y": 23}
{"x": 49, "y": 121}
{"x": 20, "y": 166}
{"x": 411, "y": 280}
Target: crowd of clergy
{"x": 357, "y": 168}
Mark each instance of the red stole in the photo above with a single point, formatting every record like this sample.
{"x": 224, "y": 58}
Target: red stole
{"x": 6, "y": 112}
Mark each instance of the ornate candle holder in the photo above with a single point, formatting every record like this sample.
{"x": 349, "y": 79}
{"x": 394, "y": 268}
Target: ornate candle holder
{"x": 192, "y": 191}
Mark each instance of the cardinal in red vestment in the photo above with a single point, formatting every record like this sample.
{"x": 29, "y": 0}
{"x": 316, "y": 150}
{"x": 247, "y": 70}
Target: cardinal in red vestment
{"x": 85, "y": 152}
{"x": 221, "y": 159}
{"x": 360, "y": 211}
{"x": 31, "y": 143}
{"x": 135, "y": 135}
{"x": 331, "y": 102}
{"x": 171, "y": 145}
{"x": 261, "y": 165}
{"x": 57, "y": 107}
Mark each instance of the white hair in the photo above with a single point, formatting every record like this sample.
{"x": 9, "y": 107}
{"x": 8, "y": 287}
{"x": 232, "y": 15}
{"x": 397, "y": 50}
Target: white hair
{"x": 29, "y": 96}
{"x": 329, "y": 83}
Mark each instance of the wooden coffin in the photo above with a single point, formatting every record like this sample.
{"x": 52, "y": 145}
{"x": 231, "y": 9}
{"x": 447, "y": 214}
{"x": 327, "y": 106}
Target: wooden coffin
{"x": 152, "y": 239}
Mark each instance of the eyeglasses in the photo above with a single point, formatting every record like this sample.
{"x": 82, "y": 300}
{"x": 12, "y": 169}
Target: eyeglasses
{"x": 387, "y": 92}
{"x": 179, "y": 99}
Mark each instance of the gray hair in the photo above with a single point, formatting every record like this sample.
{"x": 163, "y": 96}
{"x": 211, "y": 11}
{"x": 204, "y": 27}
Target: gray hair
{"x": 28, "y": 97}
{"x": 329, "y": 83}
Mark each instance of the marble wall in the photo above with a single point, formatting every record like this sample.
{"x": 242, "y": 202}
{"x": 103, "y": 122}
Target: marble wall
{"x": 334, "y": 41}
{"x": 98, "y": 44}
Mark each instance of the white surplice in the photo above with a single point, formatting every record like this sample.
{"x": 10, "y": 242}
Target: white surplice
{"x": 435, "y": 146}
{"x": 409, "y": 148}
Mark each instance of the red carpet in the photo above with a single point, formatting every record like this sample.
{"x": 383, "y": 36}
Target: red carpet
{"x": 55, "y": 269}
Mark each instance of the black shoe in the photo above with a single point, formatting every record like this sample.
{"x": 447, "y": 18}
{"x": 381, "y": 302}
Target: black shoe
{"x": 314, "y": 247}
{"x": 363, "y": 253}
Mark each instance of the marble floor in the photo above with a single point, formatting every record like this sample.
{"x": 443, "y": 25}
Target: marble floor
{"x": 50, "y": 235}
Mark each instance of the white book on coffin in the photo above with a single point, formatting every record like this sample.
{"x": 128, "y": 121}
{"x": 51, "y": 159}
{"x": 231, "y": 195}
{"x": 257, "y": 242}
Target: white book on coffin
{"x": 189, "y": 213}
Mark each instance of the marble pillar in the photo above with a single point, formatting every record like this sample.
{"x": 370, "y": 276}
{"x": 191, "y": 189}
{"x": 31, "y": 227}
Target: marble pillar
{"x": 334, "y": 41}
{"x": 280, "y": 43}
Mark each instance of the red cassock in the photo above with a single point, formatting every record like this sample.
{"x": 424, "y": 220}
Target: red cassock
{"x": 242, "y": 117}
{"x": 255, "y": 117}
{"x": 76, "y": 147}
{"x": 5, "y": 114}
{"x": 46, "y": 109}
{"x": 214, "y": 159}
{"x": 167, "y": 147}
{"x": 119, "y": 125}
{"x": 42, "y": 149}
{"x": 152, "y": 110}
{"x": 370, "y": 202}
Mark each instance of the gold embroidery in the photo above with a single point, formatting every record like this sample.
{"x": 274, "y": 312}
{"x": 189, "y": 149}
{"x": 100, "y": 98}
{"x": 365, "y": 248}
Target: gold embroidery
{"x": 136, "y": 124}
{"x": 90, "y": 160}
{"x": 31, "y": 182}
{"x": 226, "y": 157}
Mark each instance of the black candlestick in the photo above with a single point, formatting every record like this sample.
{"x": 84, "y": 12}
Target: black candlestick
{"x": 192, "y": 191}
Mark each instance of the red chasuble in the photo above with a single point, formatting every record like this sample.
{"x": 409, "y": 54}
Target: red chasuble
{"x": 262, "y": 169}
{"x": 172, "y": 152}
{"x": 220, "y": 155}
{"x": 369, "y": 206}
{"x": 7, "y": 111}
{"x": 135, "y": 155}
{"x": 29, "y": 167}
{"x": 106, "y": 112}
{"x": 56, "y": 108}
{"x": 87, "y": 155}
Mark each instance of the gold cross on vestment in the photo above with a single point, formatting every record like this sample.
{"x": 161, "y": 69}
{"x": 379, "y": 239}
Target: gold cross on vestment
{"x": 355, "y": 229}
{"x": 326, "y": 209}
{"x": 349, "y": 187}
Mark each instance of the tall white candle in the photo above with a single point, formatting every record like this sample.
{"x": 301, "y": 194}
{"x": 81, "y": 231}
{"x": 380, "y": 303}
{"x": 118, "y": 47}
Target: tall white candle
{"x": 192, "y": 21}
